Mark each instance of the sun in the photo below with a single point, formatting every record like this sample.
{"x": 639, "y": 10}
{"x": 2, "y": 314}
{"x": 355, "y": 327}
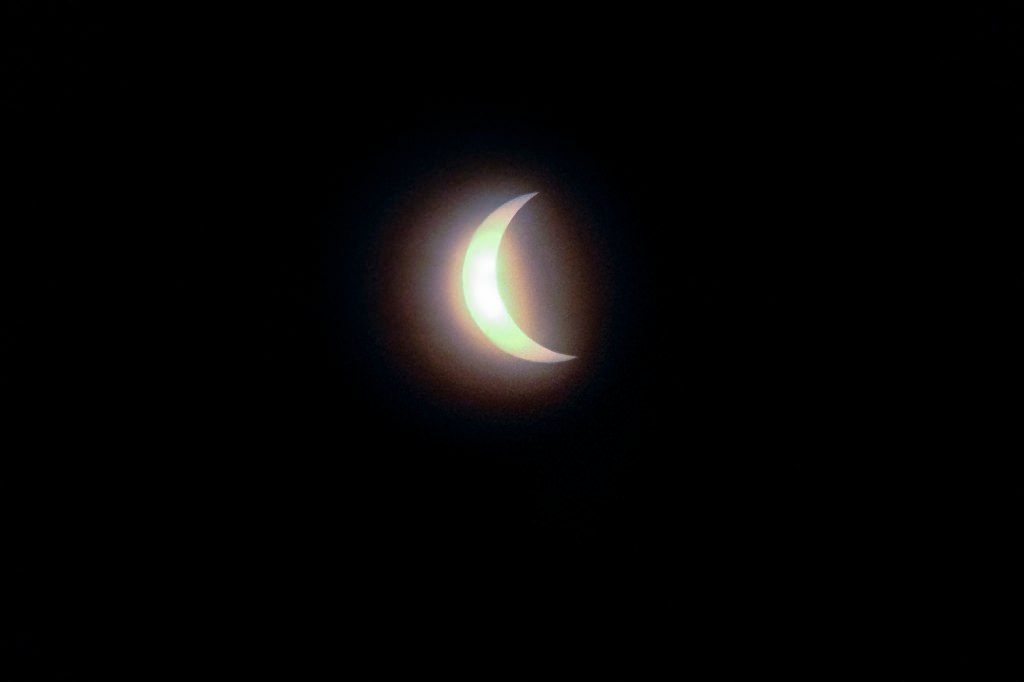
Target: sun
{"x": 480, "y": 288}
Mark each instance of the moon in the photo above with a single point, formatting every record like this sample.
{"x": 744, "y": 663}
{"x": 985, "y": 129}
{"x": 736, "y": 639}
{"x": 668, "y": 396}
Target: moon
{"x": 480, "y": 287}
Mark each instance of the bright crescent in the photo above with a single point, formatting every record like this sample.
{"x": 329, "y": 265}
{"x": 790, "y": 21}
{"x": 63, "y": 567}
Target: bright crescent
{"x": 480, "y": 287}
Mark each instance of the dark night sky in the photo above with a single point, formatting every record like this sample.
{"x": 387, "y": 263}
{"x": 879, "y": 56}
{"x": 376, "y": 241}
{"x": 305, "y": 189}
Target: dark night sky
{"x": 796, "y": 454}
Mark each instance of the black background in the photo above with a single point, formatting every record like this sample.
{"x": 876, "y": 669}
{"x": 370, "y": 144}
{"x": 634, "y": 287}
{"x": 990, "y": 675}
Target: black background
{"x": 799, "y": 456}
